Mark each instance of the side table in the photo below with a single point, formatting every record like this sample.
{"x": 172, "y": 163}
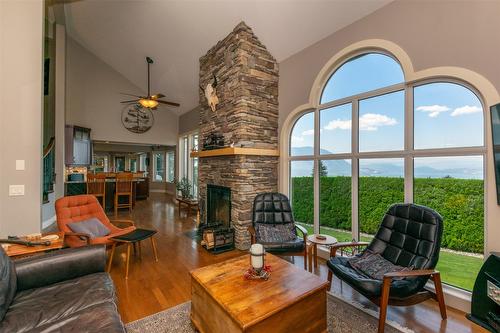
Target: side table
{"x": 18, "y": 251}
{"x": 312, "y": 248}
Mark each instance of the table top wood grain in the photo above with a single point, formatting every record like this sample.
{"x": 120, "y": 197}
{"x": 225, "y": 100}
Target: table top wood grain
{"x": 251, "y": 301}
{"x": 16, "y": 250}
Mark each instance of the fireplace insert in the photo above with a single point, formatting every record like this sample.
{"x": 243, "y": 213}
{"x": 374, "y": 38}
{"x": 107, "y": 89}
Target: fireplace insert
{"x": 218, "y": 236}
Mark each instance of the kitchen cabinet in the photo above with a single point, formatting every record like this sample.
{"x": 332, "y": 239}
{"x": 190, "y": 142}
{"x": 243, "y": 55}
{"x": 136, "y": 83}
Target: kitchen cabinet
{"x": 78, "y": 147}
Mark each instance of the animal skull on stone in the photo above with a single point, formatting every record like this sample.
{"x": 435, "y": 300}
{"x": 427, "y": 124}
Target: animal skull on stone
{"x": 211, "y": 94}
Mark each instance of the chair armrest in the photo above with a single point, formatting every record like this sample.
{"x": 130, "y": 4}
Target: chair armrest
{"x": 251, "y": 230}
{"x": 129, "y": 222}
{"x": 414, "y": 273}
{"x": 302, "y": 230}
{"x": 80, "y": 235}
{"x": 337, "y": 246}
{"x": 59, "y": 265}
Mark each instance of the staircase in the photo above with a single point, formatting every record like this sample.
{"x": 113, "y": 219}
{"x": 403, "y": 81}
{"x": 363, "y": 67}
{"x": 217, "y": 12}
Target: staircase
{"x": 49, "y": 175}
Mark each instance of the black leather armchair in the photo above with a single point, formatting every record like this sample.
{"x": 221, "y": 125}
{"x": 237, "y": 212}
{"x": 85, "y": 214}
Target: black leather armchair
{"x": 64, "y": 291}
{"x": 409, "y": 236}
{"x": 273, "y": 226}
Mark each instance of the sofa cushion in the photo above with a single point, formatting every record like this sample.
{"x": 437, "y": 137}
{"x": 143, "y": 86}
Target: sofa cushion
{"x": 92, "y": 227}
{"x": 40, "y": 306}
{"x": 8, "y": 282}
{"x": 98, "y": 318}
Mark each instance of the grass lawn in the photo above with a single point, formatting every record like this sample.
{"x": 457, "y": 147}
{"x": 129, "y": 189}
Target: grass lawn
{"x": 456, "y": 269}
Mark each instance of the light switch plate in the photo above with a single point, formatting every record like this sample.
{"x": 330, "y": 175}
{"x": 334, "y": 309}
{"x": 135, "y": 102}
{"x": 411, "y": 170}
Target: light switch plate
{"x": 19, "y": 164}
{"x": 16, "y": 190}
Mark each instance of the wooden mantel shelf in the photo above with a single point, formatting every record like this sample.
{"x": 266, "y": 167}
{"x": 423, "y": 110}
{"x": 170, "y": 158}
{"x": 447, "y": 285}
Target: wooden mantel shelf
{"x": 228, "y": 151}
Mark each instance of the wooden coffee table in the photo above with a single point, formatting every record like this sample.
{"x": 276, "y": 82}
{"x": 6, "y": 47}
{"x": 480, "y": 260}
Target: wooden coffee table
{"x": 292, "y": 300}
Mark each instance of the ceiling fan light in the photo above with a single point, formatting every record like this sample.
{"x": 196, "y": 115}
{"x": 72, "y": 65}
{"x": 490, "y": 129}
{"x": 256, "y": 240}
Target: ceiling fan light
{"x": 148, "y": 103}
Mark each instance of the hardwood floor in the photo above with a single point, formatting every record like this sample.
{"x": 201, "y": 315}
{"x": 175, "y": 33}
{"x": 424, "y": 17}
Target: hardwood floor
{"x": 155, "y": 286}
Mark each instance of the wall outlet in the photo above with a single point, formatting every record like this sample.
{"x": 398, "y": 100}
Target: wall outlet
{"x": 19, "y": 164}
{"x": 16, "y": 190}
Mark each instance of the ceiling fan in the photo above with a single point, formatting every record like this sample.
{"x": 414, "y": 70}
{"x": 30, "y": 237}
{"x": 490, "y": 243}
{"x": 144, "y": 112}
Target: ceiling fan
{"x": 149, "y": 101}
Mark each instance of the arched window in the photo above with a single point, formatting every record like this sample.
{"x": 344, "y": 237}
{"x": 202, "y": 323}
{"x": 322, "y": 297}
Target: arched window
{"x": 376, "y": 140}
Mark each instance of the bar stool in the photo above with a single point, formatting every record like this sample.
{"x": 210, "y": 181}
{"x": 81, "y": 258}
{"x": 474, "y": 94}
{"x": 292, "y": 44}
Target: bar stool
{"x": 96, "y": 185}
{"x": 123, "y": 188}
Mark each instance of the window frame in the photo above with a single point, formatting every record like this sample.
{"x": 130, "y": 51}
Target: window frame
{"x": 153, "y": 158}
{"x": 169, "y": 165}
{"x": 407, "y": 154}
{"x": 185, "y": 162}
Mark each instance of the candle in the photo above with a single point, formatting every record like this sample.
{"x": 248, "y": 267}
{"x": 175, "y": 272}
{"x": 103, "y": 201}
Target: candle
{"x": 257, "y": 256}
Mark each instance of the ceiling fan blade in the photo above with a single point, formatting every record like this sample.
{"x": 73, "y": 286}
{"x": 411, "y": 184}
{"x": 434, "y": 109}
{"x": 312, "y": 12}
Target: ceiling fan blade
{"x": 132, "y": 95}
{"x": 131, "y": 101}
{"x": 157, "y": 96}
{"x": 168, "y": 103}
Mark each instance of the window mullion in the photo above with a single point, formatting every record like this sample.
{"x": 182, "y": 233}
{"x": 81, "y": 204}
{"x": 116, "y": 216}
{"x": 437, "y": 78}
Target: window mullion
{"x": 316, "y": 178}
{"x": 355, "y": 170}
{"x": 408, "y": 171}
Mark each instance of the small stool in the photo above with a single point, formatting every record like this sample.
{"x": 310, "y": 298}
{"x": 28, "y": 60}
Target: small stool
{"x": 131, "y": 239}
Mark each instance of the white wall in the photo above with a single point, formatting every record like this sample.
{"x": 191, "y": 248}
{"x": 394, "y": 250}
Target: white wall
{"x": 21, "y": 30}
{"x": 93, "y": 100}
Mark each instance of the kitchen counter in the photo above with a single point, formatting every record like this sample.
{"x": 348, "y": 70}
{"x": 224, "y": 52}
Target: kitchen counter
{"x": 108, "y": 180}
{"x": 140, "y": 190}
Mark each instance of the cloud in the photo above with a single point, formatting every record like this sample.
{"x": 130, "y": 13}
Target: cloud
{"x": 466, "y": 109}
{"x": 367, "y": 122}
{"x": 372, "y": 121}
{"x": 308, "y": 132}
{"x": 338, "y": 124}
{"x": 297, "y": 140}
{"x": 433, "y": 110}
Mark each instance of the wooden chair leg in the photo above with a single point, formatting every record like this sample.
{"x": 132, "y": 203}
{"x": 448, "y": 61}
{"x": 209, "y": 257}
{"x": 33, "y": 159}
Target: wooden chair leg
{"x": 116, "y": 206}
{"x": 130, "y": 203}
{"x": 110, "y": 260}
{"x": 140, "y": 250}
{"x": 128, "y": 260}
{"x": 135, "y": 249}
{"x": 330, "y": 278}
{"x": 309, "y": 257}
{"x": 384, "y": 302}
{"x": 153, "y": 244}
{"x": 305, "y": 258}
{"x": 439, "y": 294}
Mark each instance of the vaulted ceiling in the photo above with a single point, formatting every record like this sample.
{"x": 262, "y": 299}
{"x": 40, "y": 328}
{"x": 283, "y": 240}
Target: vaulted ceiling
{"x": 176, "y": 33}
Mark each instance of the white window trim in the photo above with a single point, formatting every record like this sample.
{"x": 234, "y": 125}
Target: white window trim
{"x": 168, "y": 166}
{"x": 483, "y": 88}
{"x": 153, "y": 158}
{"x": 186, "y": 161}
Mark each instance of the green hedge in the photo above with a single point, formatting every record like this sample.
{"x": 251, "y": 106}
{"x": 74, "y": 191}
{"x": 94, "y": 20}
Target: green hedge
{"x": 459, "y": 201}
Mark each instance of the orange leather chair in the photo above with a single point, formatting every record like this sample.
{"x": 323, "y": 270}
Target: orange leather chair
{"x": 82, "y": 207}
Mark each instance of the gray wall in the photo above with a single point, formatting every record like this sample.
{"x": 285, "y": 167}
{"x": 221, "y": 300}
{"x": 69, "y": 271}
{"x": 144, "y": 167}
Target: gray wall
{"x": 93, "y": 100}
{"x": 21, "y": 29}
{"x": 189, "y": 121}
{"x": 433, "y": 33}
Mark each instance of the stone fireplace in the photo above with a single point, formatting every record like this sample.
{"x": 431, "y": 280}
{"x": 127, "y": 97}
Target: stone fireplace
{"x": 247, "y": 117}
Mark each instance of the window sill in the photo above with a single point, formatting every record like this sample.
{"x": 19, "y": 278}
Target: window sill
{"x": 454, "y": 297}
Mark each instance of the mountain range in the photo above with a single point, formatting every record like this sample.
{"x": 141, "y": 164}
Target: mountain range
{"x": 343, "y": 168}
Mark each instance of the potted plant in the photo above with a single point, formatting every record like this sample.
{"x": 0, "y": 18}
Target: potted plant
{"x": 184, "y": 186}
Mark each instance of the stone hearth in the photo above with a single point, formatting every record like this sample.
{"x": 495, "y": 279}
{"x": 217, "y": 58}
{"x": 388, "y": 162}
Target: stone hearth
{"x": 247, "y": 116}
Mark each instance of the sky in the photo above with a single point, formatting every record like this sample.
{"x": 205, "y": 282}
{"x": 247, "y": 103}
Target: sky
{"x": 445, "y": 114}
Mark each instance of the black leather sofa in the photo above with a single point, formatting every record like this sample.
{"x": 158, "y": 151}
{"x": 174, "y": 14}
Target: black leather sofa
{"x": 64, "y": 291}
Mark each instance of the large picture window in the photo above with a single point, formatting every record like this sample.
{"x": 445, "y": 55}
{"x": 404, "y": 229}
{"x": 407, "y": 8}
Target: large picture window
{"x": 376, "y": 140}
